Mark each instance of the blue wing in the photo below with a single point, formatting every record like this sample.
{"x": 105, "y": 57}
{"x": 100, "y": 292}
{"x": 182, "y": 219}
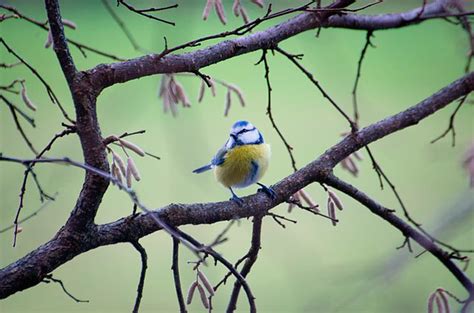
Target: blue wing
{"x": 217, "y": 160}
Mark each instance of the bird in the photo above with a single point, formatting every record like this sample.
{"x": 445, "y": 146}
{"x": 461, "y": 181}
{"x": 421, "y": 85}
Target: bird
{"x": 242, "y": 161}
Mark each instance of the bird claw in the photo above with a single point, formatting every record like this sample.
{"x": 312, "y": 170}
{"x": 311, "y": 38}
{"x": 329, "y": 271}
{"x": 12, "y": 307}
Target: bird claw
{"x": 237, "y": 200}
{"x": 268, "y": 190}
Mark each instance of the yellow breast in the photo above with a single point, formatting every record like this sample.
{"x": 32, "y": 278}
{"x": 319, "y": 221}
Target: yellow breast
{"x": 243, "y": 165}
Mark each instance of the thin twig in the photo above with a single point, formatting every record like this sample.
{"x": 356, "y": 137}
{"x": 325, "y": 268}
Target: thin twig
{"x": 43, "y": 25}
{"x": 312, "y": 210}
{"x": 141, "y": 282}
{"x": 344, "y": 10}
{"x": 177, "y": 281}
{"x": 28, "y": 170}
{"x": 9, "y": 65}
{"x": 18, "y": 125}
{"x": 42, "y": 193}
{"x": 239, "y": 31}
{"x": 294, "y": 59}
{"x": 383, "y": 177}
{"x": 186, "y": 239}
{"x": 359, "y": 68}
{"x": 27, "y": 118}
{"x": 252, "y": 255}
{"x": 49, "y": 278}
{"x": 143, "y": 12}
{"x": 451, "y": 124}
{"x": 122, "y": 26}
{"x": 9, "y": 88}
{"x": 43, "y": 206}
{"x": 114, "y": 138}
{"x": 220, "y": 237}
{"x": 50, "y": 91}
{"x": 277, "y": 219}
{"x": 269, "y": 111}
{"x": 406, "y": 243}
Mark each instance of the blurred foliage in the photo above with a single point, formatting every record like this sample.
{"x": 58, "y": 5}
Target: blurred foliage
{"x": 307, "y": 267}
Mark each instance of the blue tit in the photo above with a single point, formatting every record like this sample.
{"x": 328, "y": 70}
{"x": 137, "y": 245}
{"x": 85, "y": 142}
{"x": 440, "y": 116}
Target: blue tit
{"x": 242, "y": 160}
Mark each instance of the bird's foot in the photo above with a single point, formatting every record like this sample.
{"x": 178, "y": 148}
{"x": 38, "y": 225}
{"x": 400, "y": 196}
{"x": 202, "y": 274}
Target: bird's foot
{"x": 237, "y": 200}
{"x": 268, "y": 190}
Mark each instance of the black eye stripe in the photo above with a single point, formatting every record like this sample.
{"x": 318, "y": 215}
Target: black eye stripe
{"x": 244, "y": 131}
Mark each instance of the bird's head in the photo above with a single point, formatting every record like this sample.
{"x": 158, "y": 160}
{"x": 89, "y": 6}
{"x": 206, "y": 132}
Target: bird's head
{"x": 244, "y": 133}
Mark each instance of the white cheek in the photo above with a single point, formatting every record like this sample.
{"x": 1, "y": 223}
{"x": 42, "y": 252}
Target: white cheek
{"x": 249, "y": 137}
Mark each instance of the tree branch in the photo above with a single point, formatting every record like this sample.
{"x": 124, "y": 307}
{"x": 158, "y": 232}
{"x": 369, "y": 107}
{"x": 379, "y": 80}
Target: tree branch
{"x": 107, "y": 75}
{"x": 405, "y": 228}
{"x": 80, "y": 234}
{"x": 66, "y": 244}
{"x": 141, "y": 282}
{"x": 177, "y": 281}
{"x": 87, "y": 126}
{"x": 386, "y": 21}
{"x": 251, "y": 257}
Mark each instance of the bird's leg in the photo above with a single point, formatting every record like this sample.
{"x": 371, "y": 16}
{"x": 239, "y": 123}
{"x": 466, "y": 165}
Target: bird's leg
{"x": 235, "y": 198}
{"x": 268, "y": 190}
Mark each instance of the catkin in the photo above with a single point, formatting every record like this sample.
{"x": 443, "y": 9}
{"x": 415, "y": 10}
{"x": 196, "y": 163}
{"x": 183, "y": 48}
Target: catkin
{"x": 438, "y": 304}
{"x": 228, "y": 102}
{"x": 353, "y": 165}
{"x": 245, "y": 16}
{"x": 181, "y": 94}
{"x": 202, "y": 293}
{"x": 206, "y": 283}
{"x": 207, "y": 9}
{"x": 132, "y": 147}
{"x": 120, "y": 163}
{"x": 336, "y": 200}
{"x": 129, "y": 177}
{"x": 49, "y": 40}
{"x": 358, "y": 156}
{"x": 307, "y": 198}
{"x": 260, "y": 3}
{"x": 26, "y": 99}
{"x": 431, "y": 302}
{"x": 133, "y": 169}
{"x": 220, "y": 11}
{"x": 201, "y": 91}
{"x": 444, "y": 299}
{"x": 236, "y": 7}
{"x": 69, "y": 23}
{"x": 213, "y": 87}
{"x": 239, "y": 94}
{"x": 332, "y": 211}
{"x": 191, "y": 290}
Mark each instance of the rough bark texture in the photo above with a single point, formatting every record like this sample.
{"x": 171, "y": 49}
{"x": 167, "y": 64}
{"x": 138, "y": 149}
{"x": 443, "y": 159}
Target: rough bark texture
{"x": 66, "y": 245}
{"x": 80, "y": 234}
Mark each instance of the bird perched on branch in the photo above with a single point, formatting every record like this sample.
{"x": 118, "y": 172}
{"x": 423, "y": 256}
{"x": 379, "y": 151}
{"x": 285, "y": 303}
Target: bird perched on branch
{"x": 242, "y": 160}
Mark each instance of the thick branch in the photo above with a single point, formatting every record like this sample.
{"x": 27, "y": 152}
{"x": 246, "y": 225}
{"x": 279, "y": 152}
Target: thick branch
{"x": 59, "y": 39}
{"x": 67, "y": 244}
{"x": 251, "y": 257}
{"x": 386, "y": 21}
{"x": 88, "y": 130}
{"x": 106, "y": 75}
{"x": 109, "y": 74}
{"x": 24, "y": 273}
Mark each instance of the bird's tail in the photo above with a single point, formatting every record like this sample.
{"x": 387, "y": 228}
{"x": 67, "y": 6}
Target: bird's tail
{"x": 203, "y": 169}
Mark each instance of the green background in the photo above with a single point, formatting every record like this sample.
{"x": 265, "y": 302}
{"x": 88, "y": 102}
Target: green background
{"x": 308, "y": 267}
